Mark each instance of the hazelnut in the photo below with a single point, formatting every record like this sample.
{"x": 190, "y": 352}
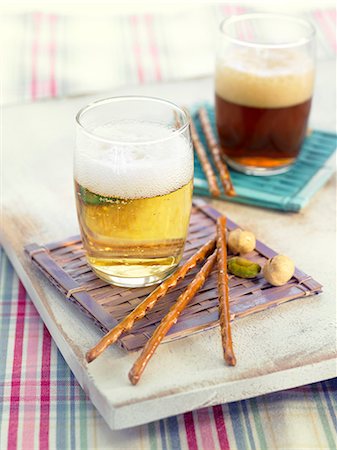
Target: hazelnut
{"x": 278, "y": 270}
{"x": 240, "y": 241}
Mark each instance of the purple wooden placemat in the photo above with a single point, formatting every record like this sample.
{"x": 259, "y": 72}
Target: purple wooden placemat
{"x": 64, "y": 264}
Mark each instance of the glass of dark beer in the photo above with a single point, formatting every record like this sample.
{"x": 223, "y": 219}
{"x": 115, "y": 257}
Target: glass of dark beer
{"x": 264, "y": 82}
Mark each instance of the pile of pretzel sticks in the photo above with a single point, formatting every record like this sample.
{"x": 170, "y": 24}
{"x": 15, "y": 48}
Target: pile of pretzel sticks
{"x": 215, "y": 251}
{"x": 216, "y": 155}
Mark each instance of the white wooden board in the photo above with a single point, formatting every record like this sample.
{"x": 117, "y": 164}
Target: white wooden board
{"x": 285, "y": 347}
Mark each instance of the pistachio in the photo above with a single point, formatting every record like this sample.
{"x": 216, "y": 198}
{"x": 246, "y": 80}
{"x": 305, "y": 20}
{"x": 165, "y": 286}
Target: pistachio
{"x": 90, "y": 198}
{"x": 240, "y": 241}
{"x": 242, "y": 267}
{"x": 278, "y": 270}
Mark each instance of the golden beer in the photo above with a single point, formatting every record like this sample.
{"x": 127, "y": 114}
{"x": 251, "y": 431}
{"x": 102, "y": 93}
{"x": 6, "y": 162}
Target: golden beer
{"x": 134, "y": 238}
{"x": 133, "y": 177}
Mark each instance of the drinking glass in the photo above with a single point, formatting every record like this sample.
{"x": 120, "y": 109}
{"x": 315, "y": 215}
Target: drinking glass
{"x": 133, "y": 174}
{"x": 264, "y": 82}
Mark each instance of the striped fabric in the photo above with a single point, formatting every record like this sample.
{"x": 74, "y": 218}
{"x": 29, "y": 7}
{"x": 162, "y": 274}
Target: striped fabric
{"x": 48, "y": 55}
{"x": 41, "y": 404}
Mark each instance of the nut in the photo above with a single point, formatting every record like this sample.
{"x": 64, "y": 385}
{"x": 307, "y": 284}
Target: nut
{"x": 278, "y": 270}
{"x": 240, "y": 241}
{"x": 242, "y": 267}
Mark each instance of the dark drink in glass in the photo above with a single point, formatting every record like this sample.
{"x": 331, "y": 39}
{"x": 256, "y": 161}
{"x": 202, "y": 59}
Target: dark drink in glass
{"x": 262, "y": 102}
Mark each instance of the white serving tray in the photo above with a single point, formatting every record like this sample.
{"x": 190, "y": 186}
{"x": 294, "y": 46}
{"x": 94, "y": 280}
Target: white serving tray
{"x": 281, "y": 348}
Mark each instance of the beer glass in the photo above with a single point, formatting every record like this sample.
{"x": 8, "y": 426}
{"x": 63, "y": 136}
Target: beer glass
{"x": 264, "y": 81}
{"x": 133, "y": 173}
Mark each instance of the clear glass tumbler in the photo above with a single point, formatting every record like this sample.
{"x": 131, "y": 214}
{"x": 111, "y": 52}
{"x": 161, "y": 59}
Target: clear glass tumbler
{"x": 264, "y": 82}
{"x": 133, "y": 173}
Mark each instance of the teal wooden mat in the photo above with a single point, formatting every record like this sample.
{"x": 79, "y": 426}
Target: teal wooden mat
{"x": 290, "y": 191}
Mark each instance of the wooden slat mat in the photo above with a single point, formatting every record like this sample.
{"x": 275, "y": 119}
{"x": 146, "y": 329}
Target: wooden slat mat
{"x": 65, "y": 266}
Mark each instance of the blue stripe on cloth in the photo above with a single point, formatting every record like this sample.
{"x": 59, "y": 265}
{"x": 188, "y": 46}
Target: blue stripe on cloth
{"x": 173, "y": 429}
{"x": 248, "y": 426}
{"x": 332, "y": 384}
{"x": 162, "y": 434}
{"x": 237, "y": 424}
{"x": 329, "y": 403}
{"x": 322, "y": 415}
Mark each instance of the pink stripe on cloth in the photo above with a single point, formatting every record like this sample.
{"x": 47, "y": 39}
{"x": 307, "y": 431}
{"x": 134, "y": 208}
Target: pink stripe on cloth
{"x": 331, "y": 23}
{"x": 137, "y": 49}
{"x": 231, "y": 10}
{"x": 332, "y": 14}
{"x": 329, "y": 33}
{"x": 190, "y": 431}
{"x": 35, "y": 50}
{"x": 205, "y": 429}
{"x": 52, "y": 54}
{"x": 247, "y": 33}
{"x": 221, "y": 427}
{"x": 45, "y": 390}
{"x": 16, "y": 370}
{"x": 239, "y": 9}
{"x": 153, "y": 46}
{"x": 30, "y": 384}
{"x": 227, "y": 10}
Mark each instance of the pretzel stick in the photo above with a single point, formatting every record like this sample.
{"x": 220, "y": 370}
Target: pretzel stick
{"x": 148, "y": 303}
{"x": 215, "y": 150}
{"x": 170, "y": 319}
{"x": 204, "y": 161}
{"x": 224, "y": 316}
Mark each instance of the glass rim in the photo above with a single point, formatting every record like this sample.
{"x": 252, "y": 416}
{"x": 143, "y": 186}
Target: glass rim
{"x": 246, "y": 16}
{"x": 120, "y": 98}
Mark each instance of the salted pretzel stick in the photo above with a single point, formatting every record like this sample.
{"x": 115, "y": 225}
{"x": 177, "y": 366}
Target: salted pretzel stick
{"x": 215, "y": 150}
{"x": 171, "y": 318}
{"x": 148, "y": 303}
{"x": 204, "y": 161}
{"x": 224, "y": 316}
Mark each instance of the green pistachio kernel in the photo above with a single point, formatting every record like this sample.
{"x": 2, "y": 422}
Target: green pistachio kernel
{"x": 90, "y": 198}
{"x": 242, "y": 267}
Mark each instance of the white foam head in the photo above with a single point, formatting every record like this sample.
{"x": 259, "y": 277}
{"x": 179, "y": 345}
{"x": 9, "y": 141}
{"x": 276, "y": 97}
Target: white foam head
{"x": 265, "y": 78}
{"x": 144, "y": 160}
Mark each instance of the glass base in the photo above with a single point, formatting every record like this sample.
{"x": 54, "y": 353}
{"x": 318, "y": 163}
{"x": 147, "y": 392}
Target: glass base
{"x": 258, "y": 171}
{"x": 133, "y": 282}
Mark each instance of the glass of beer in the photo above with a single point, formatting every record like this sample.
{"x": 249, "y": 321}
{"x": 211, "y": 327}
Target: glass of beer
{"x": 264, "y": 81}
{"x": 133, "y": 173}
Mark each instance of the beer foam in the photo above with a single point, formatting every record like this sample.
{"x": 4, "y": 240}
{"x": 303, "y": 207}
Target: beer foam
{"x": 265, "y": 78}
{"x": 144, "y": 163}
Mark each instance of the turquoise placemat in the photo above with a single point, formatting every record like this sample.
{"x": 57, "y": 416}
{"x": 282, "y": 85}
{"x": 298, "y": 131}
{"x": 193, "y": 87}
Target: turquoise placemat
{"x": 290, "y": 191}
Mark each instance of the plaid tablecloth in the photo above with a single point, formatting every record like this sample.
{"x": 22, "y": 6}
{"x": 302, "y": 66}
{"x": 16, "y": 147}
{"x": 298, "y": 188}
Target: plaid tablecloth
{"x": 41, "y": 404}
